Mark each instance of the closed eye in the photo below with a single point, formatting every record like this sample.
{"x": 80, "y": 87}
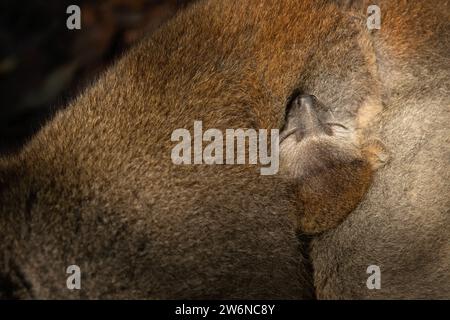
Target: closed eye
{"x": 336, "y": 124}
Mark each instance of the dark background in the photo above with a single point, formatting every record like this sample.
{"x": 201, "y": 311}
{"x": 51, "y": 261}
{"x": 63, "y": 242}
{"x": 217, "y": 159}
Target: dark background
{"x": 43, "y": 64}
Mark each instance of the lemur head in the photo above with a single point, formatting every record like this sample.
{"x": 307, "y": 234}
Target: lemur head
{"x": 332, "y": 170}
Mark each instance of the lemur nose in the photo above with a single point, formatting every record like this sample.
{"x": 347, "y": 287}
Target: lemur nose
{"x": 309, "y": 121}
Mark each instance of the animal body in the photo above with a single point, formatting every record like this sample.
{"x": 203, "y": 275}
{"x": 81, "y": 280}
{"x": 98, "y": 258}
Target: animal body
{"x": 332, "y": 169}
{"x": 96, "y": 186}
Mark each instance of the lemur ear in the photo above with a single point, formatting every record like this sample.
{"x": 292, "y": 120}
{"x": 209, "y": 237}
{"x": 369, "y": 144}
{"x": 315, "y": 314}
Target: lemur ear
{"x": 376, "y": 153}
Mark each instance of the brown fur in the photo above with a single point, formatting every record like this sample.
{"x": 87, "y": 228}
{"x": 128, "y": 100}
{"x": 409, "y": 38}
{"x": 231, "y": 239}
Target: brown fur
{"x": 97, "y": 188}
{"x": 403, "y": 223}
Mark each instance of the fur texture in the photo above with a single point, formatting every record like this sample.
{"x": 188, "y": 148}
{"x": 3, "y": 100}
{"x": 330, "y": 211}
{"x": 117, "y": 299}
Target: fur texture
{"x": 97, "y": 188}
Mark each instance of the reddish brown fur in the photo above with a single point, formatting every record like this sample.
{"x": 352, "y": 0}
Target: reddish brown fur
{"x": 96, "y": 187}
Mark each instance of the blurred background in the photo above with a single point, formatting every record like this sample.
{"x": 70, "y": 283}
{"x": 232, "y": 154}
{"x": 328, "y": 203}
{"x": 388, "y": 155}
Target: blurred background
{"x": 43, "y": 64}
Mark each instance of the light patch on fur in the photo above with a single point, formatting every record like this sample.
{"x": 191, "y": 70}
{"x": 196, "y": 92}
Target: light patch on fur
{"x": 368, "y": 112}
